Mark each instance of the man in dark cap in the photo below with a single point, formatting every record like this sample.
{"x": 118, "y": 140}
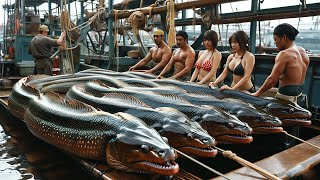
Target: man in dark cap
{"x": 41, "y": 50}
{"x": 290, "y": 66}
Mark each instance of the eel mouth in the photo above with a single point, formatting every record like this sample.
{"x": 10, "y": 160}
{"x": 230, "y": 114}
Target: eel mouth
{"x": 168, "y": 169}
{"x": 295, "y": 122}
{"x": 267, "y": 130}
{"x": 234, "y": 139}
{"x": 199, "y": 151}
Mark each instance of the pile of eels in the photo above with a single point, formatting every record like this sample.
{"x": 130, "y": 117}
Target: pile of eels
{"x": 133, "y": 121}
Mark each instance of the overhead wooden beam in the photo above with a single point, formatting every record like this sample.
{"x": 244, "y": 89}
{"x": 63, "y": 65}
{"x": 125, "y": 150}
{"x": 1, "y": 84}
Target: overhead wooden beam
{"x": 265, "y": 17}
{"x": 178, "y": 6}
{"x": 252, "y": 17}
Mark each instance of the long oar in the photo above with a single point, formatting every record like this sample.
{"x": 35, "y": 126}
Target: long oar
{"x": 233, "y": 156}
{"x": 285, "y": 132}
{"x": 201, "y": 164}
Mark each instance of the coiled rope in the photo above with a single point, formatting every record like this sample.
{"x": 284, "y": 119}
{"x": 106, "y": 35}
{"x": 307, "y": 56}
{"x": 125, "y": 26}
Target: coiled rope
{"x": 137, "y": 21}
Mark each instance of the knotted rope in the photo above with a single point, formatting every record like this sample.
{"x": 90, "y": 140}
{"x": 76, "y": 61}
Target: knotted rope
{"x": 137, "y": 21}
{"x": 170, "y": 19}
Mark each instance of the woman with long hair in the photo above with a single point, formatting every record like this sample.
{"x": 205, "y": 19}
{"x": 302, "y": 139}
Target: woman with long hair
{"x": 240, "y": 63}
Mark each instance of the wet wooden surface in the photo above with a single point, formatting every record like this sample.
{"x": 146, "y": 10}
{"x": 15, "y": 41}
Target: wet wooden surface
{"x": 286, "y": 164}
{"x": 103, "y": 171}
{"x": 5, "y": 93}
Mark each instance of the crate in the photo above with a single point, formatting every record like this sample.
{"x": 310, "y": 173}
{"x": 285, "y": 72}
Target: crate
{"x": 134, "y": 53}
{"x": 25, "y": 68}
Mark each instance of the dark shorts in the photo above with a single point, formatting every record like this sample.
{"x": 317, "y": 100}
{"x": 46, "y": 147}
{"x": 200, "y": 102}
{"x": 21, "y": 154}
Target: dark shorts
{"x": 43, "y": 66}
{"x": 291, "y": 90}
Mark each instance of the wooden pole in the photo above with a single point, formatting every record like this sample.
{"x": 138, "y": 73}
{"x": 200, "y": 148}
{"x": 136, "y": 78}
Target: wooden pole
{"x": 179, "y": 6}
{"x": 233, "y": 156}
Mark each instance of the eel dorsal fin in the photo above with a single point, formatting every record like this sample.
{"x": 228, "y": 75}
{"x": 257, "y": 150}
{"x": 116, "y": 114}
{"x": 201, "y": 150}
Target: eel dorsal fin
{"x": 70, "y": 103}
{"x": 125, "y": 98}
{"x": 36, "y": 77}
{"x": 173, "y": 97}
{"x": 30, "y": 89}
{"x": 98, "y": 82}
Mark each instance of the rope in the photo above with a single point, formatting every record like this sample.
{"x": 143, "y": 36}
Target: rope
{"x": 170, "y": 20}
{"x": 137, "y": 21}
{"x": 233, "y": 156}
{"x": 66, "y": 25}
{"x": 285, "y": 132}
{"x": 203, "y": 165}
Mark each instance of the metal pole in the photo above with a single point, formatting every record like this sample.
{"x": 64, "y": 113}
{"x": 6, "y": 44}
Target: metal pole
{"x": 69, "y": 7}
{"x": 184, "y": 16}
{"x": 49, "y": 19}
{"x": 23, "y": 20}
{"x": 5, "y": 31}
{"x": 253, "y": 26}
{"x": 82, "y": 11}
{"x": 110, "y": 28}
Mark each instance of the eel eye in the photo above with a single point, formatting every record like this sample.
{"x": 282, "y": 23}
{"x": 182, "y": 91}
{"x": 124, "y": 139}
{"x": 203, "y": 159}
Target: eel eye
{"x": 145, "y": 148}
{"x": 165, "y": 139}
{"x": 190, "y": 136}
{"x": 291, "y": 110}
{"x": 230, "y": 125}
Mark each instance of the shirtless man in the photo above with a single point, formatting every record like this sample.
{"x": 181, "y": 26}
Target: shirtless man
{"x": 290, "y": 69}
{"x": 182, "y": 59}
{"x": 290, "y": 66}
{"x": 160, "y": 54}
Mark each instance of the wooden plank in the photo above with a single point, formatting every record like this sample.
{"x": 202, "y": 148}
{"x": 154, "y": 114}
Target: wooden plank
{"x": 178, "y": 6}
{"x": 286, "y": 164}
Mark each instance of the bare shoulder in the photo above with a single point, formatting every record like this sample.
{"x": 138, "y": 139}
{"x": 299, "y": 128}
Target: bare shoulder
{"x": 166, "y": 48}
{"x": 250, "y": 55}
{"x": 191, "y": 50}
{"x": 302, "y": 51}
{"x": 216, "y": 52}
{"x": 283, "y": 56}
{"x": 304, "y": 55}
{"x": 153, "y": 48}
{"x": 229, "y": 57}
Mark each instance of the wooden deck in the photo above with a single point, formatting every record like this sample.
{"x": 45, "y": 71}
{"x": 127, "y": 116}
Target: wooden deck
{"x": 286, "y": 164}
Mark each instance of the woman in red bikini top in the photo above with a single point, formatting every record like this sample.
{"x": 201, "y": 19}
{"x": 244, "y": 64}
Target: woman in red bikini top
{"x": 208, "y": 60}
{"x": 240, "y": 63}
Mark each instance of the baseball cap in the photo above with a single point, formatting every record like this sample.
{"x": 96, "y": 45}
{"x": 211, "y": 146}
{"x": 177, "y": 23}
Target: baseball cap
{"x": 43, "y": 28}
{"x": 158, "y": 32}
